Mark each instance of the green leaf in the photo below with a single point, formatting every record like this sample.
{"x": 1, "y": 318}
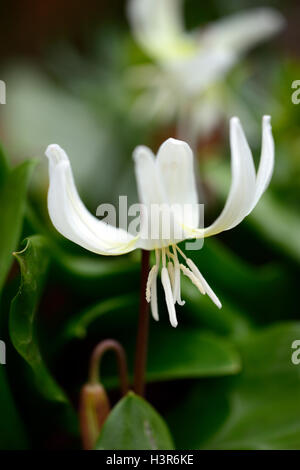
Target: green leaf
{"x": 264, "y": 403}
{"x": 97, "y": 268}
{"x": 3, "y": 165}
{"x": 12, "y": 207}
{"x": 189, "y": 353}
{"x": 34, "y": 262}
{"x": 78, "y": 325}
{"x": 258, "y": 409}
{"x": 12, "y": 433}
{"x": 134, "y": 425}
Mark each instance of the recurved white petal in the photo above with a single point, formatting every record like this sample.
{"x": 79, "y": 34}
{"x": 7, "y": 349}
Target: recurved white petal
{"x": 266, "y": 164}
{"x": 243, "y": 183}
{"x": 241, "y": 31}
{"x": 157, "y": 25}
{"x": 71, "y": 218}
{"x": 175, "y": 164}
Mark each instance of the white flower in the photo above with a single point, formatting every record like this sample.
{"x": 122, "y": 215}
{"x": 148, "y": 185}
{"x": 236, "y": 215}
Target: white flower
{"x": 188, "y": 64}
{"x": 165, "y": 180}
{"x": 159, "y": 27}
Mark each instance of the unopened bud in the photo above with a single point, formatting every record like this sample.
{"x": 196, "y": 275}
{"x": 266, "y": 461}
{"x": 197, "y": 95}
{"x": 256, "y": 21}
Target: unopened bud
{"x": 94, "y": 408}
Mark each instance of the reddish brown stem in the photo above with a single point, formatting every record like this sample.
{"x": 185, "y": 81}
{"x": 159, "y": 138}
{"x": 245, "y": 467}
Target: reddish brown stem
{"x": 143, "y": 330}
{"x": 100, "y": 349}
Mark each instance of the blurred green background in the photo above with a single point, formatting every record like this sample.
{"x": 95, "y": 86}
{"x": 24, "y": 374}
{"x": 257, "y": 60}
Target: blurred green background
{"x": 223, "y": 379}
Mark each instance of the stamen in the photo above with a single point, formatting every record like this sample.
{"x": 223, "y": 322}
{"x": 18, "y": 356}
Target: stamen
{"x": 163, "y": 253}
{"x": 154, "y": 306}
{"x": 205, "y": 284}
{"x": 188, "y": 273}
{"x": 151, "y": 289}
{"x": 196, "y": 272}
{"x": 177, "y": 289}
{"x": 171, "y": 273}
{"x": 151, "y": 277}
{"x": 169, "y": 296}
{"x": 181, "y": 252}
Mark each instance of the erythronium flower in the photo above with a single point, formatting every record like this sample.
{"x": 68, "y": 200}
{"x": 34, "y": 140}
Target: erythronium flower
{"x": 188, "y": 64}
{"x": 166, "y": 180}
{"x": 158, "y": 25}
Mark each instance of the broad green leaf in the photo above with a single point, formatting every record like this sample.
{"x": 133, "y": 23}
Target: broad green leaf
{"x": 189, "y": 353}
{"x": 203, "y": 408}
{"x": 259, "y": 409}
{"x": 12, "y": 207}
{"x": 134, "y": 425}
{"x": 33, "y": 261}
{"x": 12, "y": 433}
{"x": 264, "y": 403}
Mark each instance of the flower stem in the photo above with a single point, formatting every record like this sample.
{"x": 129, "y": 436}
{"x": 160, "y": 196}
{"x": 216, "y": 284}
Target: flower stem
{"x": 143, "y": 330}
{"x": 100, "y": 349}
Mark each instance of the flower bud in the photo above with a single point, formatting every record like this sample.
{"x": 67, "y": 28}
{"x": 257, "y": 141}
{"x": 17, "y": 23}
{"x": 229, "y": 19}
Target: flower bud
{"x": 94, "y": 408}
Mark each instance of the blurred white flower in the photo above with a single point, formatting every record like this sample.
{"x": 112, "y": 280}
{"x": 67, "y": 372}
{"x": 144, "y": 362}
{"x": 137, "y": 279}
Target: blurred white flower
{"x": 166, "y": 180}
{"x": 188, "y": 64}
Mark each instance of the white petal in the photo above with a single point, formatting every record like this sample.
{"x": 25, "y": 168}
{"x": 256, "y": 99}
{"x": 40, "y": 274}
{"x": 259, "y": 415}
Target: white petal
{"x": 149, "y": 185}
{"x": 71, "y": 218}
{"x": 243, "y": 185}
{"x": 241, "y": 31}
{"x": 157, "y": 26}
{"x": 169, "y": 296}
{"x": 175, "y": 164}
{"x": 197, "y": 73}
{"x": 151, "y": 195}
{"x": 266, "y": 164}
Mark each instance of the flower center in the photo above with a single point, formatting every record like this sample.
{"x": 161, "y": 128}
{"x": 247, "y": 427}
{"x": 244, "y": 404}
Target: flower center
{"x": 171, "y": 280}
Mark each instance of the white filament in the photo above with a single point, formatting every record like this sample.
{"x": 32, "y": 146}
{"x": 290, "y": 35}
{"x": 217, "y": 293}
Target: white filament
{"x": 169, "y": 296}
{"x": 188, "y": 273}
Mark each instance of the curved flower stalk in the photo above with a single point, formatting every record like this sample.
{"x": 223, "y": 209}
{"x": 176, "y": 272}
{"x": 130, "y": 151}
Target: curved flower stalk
{"x": 166, "y": 181}
{"x": 188, "y": 64}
